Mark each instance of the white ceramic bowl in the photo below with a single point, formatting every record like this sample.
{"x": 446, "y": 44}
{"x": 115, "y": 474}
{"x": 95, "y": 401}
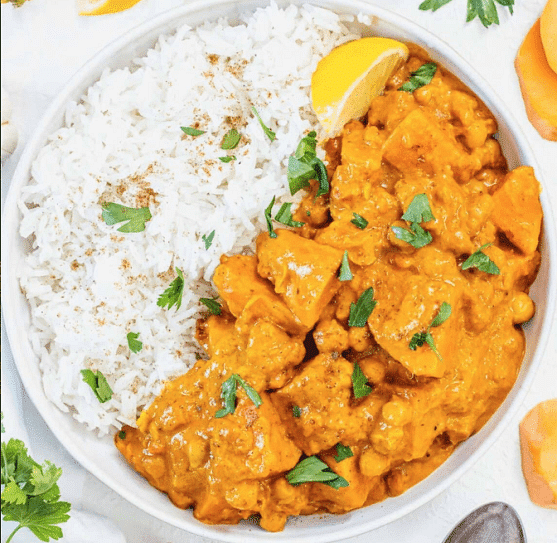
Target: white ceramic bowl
{"x": 100, "y": 457}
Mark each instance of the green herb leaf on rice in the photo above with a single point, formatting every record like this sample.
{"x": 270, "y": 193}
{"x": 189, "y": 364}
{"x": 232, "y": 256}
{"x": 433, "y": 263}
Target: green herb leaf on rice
{"x": 173, "y": 294}
{"x": 98, "y": 383}
{"x": 133, "y": 343}
{"x": 208, "y": 240}
{"x": 227, "y": 159}
{"x": 269, "y": 219}
{"x": 270, "y": 134}
{"x": 212, "y": 305}
{"x": 230, "y": 140}
{"x": 191, "y": 131}
{"x": 136, "y": 217}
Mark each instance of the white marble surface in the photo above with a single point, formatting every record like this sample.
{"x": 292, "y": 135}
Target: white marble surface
{"x": 45, "y": 42}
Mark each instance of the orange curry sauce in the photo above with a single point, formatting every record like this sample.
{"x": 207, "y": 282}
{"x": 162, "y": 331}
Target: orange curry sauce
{"x": 284, "y": 326}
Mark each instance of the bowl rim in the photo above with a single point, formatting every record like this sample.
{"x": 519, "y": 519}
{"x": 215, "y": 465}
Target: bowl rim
{"x": 94, "y": 66}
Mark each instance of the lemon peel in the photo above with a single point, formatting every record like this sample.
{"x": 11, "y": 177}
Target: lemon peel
{"x": 103, "y": 7}
{"x": 350, "y": 77}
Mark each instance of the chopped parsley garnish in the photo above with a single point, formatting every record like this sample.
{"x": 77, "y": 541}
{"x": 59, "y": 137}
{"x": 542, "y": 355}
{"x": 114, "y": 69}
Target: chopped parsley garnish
{"x": 133, "y": 343}
{"x": 122, "y": 434}
{"x": 359, "y": 383}
{"x": 422, "y": 76}
{"x": 296, "y": 411}
{"x": 343, "y": 452}
{"x": 269, "y": 219}
{"x": 98, "y": 383}
{"x": 191, "y": 131}
{"x": 359, "y": 221}
{"x": 228, "y": 394}
{"x": 418, "y": 211}
{"x": 486, "y": 10}
{"x": 227, "y": 159}
{"x": 212, "y": 305}
{"x": 230, "y": 140}
{"x": 481, "y": 261}
{"x": 345, "y": 274}
{"x": 314, "y": 470}
{"x": 420, "y": 338}
{"x": 208, "y": 240}
{"x": 173, "y": 294}
{"x": 418, "y": 237}
{"x": 284, "y": 216}
{"x": 270, "y": 134}
{"x": 31, "y": 496}
{"x": 304, "y": 165}
{"x": 136, "y": 217}
{"x": 361, "y": 310}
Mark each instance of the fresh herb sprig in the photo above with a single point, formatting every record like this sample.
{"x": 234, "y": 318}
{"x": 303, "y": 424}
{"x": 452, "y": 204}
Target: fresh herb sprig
{"x": 421, "y": 77}
{"x": 136, "y": 217}
{"x": 481, "y": 261}
{"x": 228, "y": 394}
{"x": 345, "y": 273}
{"x": 208, "y": 239}
{"x": 314, "y": 470}
{"x": 359, "y": 382}
{"x": 268, "y": 132}
{"x": 284, "y": 216}
{"x": 361, "y": 310}
{"x": 98, "y": 383}
{"x": 304, "y": 165}
{"x": 343, "y": 452}
{"x": 420, "y": 338}
{"x": 418, "y": 211}
{"x": 212, "y": 305}
{"x": 173, "y": 294}
{"x": 230, "y": 140}
{"x": 486, "y": 10}
{"x": 30, "y": 493}
{"x": 359, "y": 221}
{"x": 133, "y": 343}
{"x": 191, "y": 131}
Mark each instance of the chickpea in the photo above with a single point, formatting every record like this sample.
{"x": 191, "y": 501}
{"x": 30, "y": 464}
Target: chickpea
{"x": 330, "y": 336}
{"x": 373, "y": 369}
{"x": 397, "y": 412}
{"x": 386, "y": 439}
{"x": 522, "y": 307}
{"x": 372, "y": 463}
{"x": 243, "y": 495}
{"x": 359, "y": 338}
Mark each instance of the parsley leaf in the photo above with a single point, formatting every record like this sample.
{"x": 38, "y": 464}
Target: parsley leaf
{"x": 135, "y": 217}
{"x": 31, "y": 495}
{"x": 98, "y": 383}
{"x": 39, "y": 516}
{"x": 173, "y": 294}
{"x": 208, "y": 240}
{"x": 296, "y": 411}
{"x": 345, "y": 274}
{"x": 284, "y": 216}
{"x": 481, "y": 261}
{"x": 228, "y": 394}
{"x": 343, "y": 452}
{"x": 230, "y": 140}
{"x": 433, "y": 5}
{"x": 270, "y": 134}
{"x": 191, "y": 131}
{"x": 359, "y": 221}
{"x": 269, "y": 220}
{"x": 314, "y": 470}
{"x": 486, "y": 10}
{"x": 420, "y": 338}
{"x": 227, "y": 159}
{"x": 359, "y": 383}
{"x": 134, "y": 345}
{"x": 419, "y": 210}
{"x": 212, "y": 305}
{"x": 422, "y": 76}
{"x": 304, "y": 165}
{"x": 361, "y": 310}
{"x": 418, "y": 237}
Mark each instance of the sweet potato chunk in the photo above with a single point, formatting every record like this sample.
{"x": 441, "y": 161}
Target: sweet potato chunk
{"x": 518, "y": 211}
{"x": 304, "y": 272}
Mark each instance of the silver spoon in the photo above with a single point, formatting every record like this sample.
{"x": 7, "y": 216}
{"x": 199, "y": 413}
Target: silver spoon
{"x": 495, "y": 522}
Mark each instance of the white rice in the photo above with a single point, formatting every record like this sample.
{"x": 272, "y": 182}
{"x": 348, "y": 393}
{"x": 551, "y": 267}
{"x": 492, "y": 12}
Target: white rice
{"x": 89, "y": 285}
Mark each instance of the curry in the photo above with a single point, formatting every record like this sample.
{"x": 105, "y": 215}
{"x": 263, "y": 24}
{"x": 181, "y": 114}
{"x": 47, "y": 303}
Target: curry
{"x": 355, "y": 352}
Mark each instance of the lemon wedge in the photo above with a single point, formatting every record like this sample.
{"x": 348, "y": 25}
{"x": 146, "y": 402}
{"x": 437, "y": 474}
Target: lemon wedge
{"x": 102, "y": 7}
{"x": 350, "y": 77}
